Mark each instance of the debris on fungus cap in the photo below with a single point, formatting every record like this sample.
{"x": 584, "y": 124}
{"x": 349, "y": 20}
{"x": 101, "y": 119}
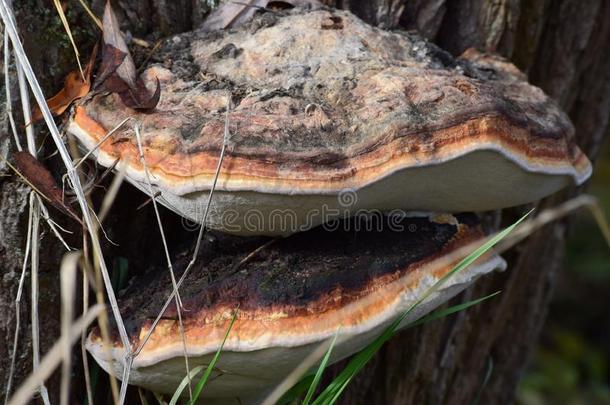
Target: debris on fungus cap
{"x": 291, "y": 296}
{"x": 324, "y": 103}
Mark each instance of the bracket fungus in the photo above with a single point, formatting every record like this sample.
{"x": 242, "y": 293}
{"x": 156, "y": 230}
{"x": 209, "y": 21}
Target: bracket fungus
{"x": 293, "y": 295}
{"x": 326, "y": 103}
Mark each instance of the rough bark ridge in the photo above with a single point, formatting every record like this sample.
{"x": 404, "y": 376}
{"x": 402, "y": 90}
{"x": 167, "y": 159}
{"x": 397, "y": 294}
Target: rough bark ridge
{"x": 444, "y": 362}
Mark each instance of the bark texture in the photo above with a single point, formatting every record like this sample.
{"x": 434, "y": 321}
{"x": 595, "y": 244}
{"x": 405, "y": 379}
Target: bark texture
{"x": 563, "y": 46}
{"x": 447, "y": 362}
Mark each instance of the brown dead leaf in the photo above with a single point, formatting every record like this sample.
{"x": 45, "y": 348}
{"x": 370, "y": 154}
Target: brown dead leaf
{"x": 114, "y": 37}
{"x": 74, "y": 88}
{"x": 40, "y": 179}
{"x": 233, "y": 13}
{"x": 111, "y": 60}
{"x": 117, "y": 73}
{"x": 140, "y": 98}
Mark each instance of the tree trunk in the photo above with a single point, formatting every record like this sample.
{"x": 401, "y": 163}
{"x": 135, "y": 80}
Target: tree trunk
{"x": 564, "y": 47}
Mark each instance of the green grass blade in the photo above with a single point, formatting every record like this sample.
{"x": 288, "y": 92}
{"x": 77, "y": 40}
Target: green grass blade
{"x": 183, "y": 384}
{"x": 441, "y": 313}
{"x": 332, "y": 392}
{"x": 208, "y": 370}
{"x": 296, "y": 391}
{"x": 321, "y": 368}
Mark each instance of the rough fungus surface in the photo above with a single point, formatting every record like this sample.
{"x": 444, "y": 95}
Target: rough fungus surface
{"x": 323, "y": 101}
{"x": 290, "y": 296}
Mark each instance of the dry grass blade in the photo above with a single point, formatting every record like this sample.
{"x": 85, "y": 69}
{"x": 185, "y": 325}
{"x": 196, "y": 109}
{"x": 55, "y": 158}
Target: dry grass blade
{"x": 18, "y": 307}
{"x": 25, "y": 104}
{"x": 34, "y": 205}
{"x": 7, "y": 88}
{"x": 52, "y": 224}
{"x": 97, "y": 276}
{"x": 296, "y": 374}
{"x": 102, "y": 321}
{"x": 67, "y": 276}
{"x": 34, "y": 293}
{"x": 64, "y": 21}
{"x": 111, "y": 194}
{"x": 553, "y": 214}
{"x": 201, "y": 230}
{"x": 83, "y": 338}
{"x": 167, "y": 256}
{"x": 90, "y": 13}
{"x": 125, "y": 378}
{"x": 104, "y": 138}
{"x": 7, "y": 18}
{"x": 53, "y": 357}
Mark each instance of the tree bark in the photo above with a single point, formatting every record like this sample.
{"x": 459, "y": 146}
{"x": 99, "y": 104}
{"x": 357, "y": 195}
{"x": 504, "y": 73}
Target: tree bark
{"x": 564, "y": 47}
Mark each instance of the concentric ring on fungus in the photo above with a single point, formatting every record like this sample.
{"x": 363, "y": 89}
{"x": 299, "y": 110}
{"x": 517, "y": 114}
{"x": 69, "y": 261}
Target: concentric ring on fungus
{"x": 291, "y": 296}
{"x": 387, "y": 115}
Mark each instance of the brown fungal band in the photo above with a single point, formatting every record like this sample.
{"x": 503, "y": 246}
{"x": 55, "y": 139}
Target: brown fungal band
{"x": 291, "y": 296}
{"x": 318, "y": 111}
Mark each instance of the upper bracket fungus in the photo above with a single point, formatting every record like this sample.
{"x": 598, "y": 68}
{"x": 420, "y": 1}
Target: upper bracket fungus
{"x": 325, "y": 103}
{"x": 293, "y": 295}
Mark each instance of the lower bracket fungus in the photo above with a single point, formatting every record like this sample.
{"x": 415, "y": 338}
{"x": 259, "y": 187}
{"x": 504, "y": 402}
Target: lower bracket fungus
{"x": 292, "y": 295}
{"x": 320, "y": 110}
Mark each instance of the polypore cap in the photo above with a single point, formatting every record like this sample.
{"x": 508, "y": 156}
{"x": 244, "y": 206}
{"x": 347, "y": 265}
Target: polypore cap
{"x": 293, "y": 294}
{"x": 322, "y": 108}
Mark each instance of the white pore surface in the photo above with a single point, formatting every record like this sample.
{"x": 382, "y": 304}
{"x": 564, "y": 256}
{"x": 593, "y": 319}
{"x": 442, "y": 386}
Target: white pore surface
{"x": 479, "y": 178}
{"x": 478, "y": 181}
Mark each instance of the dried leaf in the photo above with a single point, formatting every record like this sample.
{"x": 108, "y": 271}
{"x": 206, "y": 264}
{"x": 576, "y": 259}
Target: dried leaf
{"x": 114, "y": 84}
{"x": 117, "y": 73}
{"x": 74, "y": 88}
{"x": 40, "y": 179}
{"x": 139, "y": 98}
{"x": 114, "y": 37}
{"x": 111, "y": 60}
{"x": 232, "y": 14}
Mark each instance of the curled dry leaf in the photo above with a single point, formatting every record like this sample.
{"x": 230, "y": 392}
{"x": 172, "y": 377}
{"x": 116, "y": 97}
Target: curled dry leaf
{"x": 233, "y": 13}
{"x": 142, "y": 103}
{"x": 138, "y": 98}
{"x": 113, "y": 37}
{"x": 75, "y": 87}
{"x": 111, "y": 60}
{"x": 40, "y": 179}
{"x": 117, "y": 73}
